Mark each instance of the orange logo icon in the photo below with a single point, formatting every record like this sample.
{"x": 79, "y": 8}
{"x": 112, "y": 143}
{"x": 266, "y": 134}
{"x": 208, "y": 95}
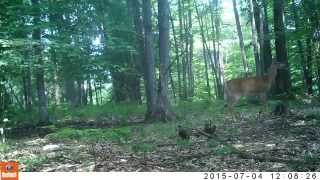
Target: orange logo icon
{"x": 9, "y": 171}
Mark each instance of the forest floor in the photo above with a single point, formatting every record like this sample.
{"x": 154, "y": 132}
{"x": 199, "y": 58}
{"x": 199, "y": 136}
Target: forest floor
{"x": 244, "y": 142}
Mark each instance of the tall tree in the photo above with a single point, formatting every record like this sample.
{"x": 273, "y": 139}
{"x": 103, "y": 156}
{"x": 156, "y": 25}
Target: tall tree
{"x": 134, "y": 12}
{"x": 242, "y": 49}
{"x": 265, "y": 38}
{"x": 190, "y": 51}
{"x": 149, "y": 62}
{"x": 182, "y": 46}
{"x": 283, "y": 83}
{"x": 204, "y": 49}
{"x": 256, "y": 48}
{"x": 164, "y": 27}
{"x": 306, "y": 72}
{"x": 53, "y": 18}
{"x": 27, "y": 83}
{"x": 42, "y": 97}
{"x": 311, "y": 9}
{"x": 218, "y": 62}
{"x": 177, "y": 53}
{"x": 157, "y": 99}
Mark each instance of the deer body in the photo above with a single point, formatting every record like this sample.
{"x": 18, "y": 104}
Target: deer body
{"x": 250, "y": 86}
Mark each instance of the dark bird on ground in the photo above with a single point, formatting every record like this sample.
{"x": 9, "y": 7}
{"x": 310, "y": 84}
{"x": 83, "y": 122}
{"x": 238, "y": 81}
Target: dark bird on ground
{"x": 209, "y": 128}
{"x": 183, "y": 132}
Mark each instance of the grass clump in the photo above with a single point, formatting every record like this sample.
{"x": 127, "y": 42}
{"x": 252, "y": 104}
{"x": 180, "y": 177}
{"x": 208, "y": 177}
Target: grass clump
{"x": 224, "y": 150}
{"x": 4, "y": 148}
{"x": 159, "y": 130}
{"x": 119, "y": 135}
{"x": 33, "y": 163}
{"x": 143, "y": 147}
{"x": 106, "y": 110}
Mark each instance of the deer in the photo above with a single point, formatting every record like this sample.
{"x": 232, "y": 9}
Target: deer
{"x": 234, "y": 89}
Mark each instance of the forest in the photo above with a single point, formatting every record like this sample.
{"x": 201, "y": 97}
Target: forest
{"x": 160, "y": 85}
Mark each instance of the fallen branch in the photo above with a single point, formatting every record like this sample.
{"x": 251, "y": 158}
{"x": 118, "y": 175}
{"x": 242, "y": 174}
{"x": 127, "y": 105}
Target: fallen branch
{"x": 67, "y": 158}
{"x": 205, "y": 134}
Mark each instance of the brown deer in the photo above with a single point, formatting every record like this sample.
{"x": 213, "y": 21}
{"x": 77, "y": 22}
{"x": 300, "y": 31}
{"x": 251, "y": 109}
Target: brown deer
{"x": 251, "y": 86}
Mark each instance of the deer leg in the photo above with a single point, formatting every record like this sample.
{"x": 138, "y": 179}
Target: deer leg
{"x": 232, "y": 101}
{"x": 229, "y": 105}
{"x": 263, "y": 98}
{"x": 263, "y": 101}
{"x": 237, "y": 114}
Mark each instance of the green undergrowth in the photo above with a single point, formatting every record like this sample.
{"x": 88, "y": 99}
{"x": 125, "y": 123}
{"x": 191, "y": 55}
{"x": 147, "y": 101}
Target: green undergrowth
{"x": 189, "y": 115}
{"x": 4, "y": 148}
{"x": 196, "y": 113}
{"x": 143, "y": 138}
{"x": 143, "y": 147}
{"x": 91, "y": 135}
{"x": 119, "y": 135}
{"x": 97, "y": 111}
{"x": 32, "y": 163}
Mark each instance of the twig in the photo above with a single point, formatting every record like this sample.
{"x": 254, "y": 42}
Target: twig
{"x": 67, "y": 158}
{"x": 205, "y": 134}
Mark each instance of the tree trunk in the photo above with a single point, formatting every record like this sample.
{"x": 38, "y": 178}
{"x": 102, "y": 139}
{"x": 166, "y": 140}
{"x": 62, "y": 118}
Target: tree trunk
{"x": 265, "y": 38}
{"x": 190, "y": 38}
{"x": 70, "y": 91}
{"x": 210, "y": 57}
{"x": 163, "y": 19}
{"x": 283, "y": 83}
{"x": 56, "y": 80}
{"x": 183, "y": 60}
{"x": 119, "y": 91}
{"x": 259, "y": 24}
{"x": 177, "y": 54}
{"x": 85, "y": 93}
{"x": 2, "y": 99}
{"x": 27, "y": 83}
{"x": 318, "y": 74}
{"x": 90, "y": 91}
{"x": 185, "y": 65}
{"x": 149, "y": 62}
{"x": 134, "y": 86}
{"x": 100, "y": 92}
{"x": 258, "y": 19}
{"x": 306, "y": 76}
{"x": 242, "y": 49}
{"x": 215, "y": 63}
{"x": 80, "y": 92}
{"x": 15, "y": 96}
{"x": 43, "y": 106}
{"x": 138, "y": 26}
{"x": 53, "y": 19}
{"x": 218, "y": 61}
{"x": 173, "y": 86}
{"x": 204, "y": 50}
{"x": 5, "y": 98}
{"x": 312, "y": 11}
{"x": 164, "y": 26}
{"x": 96, "y": 91}
{"x": 139, "y": 29}
{"x": 256, "y": 48}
